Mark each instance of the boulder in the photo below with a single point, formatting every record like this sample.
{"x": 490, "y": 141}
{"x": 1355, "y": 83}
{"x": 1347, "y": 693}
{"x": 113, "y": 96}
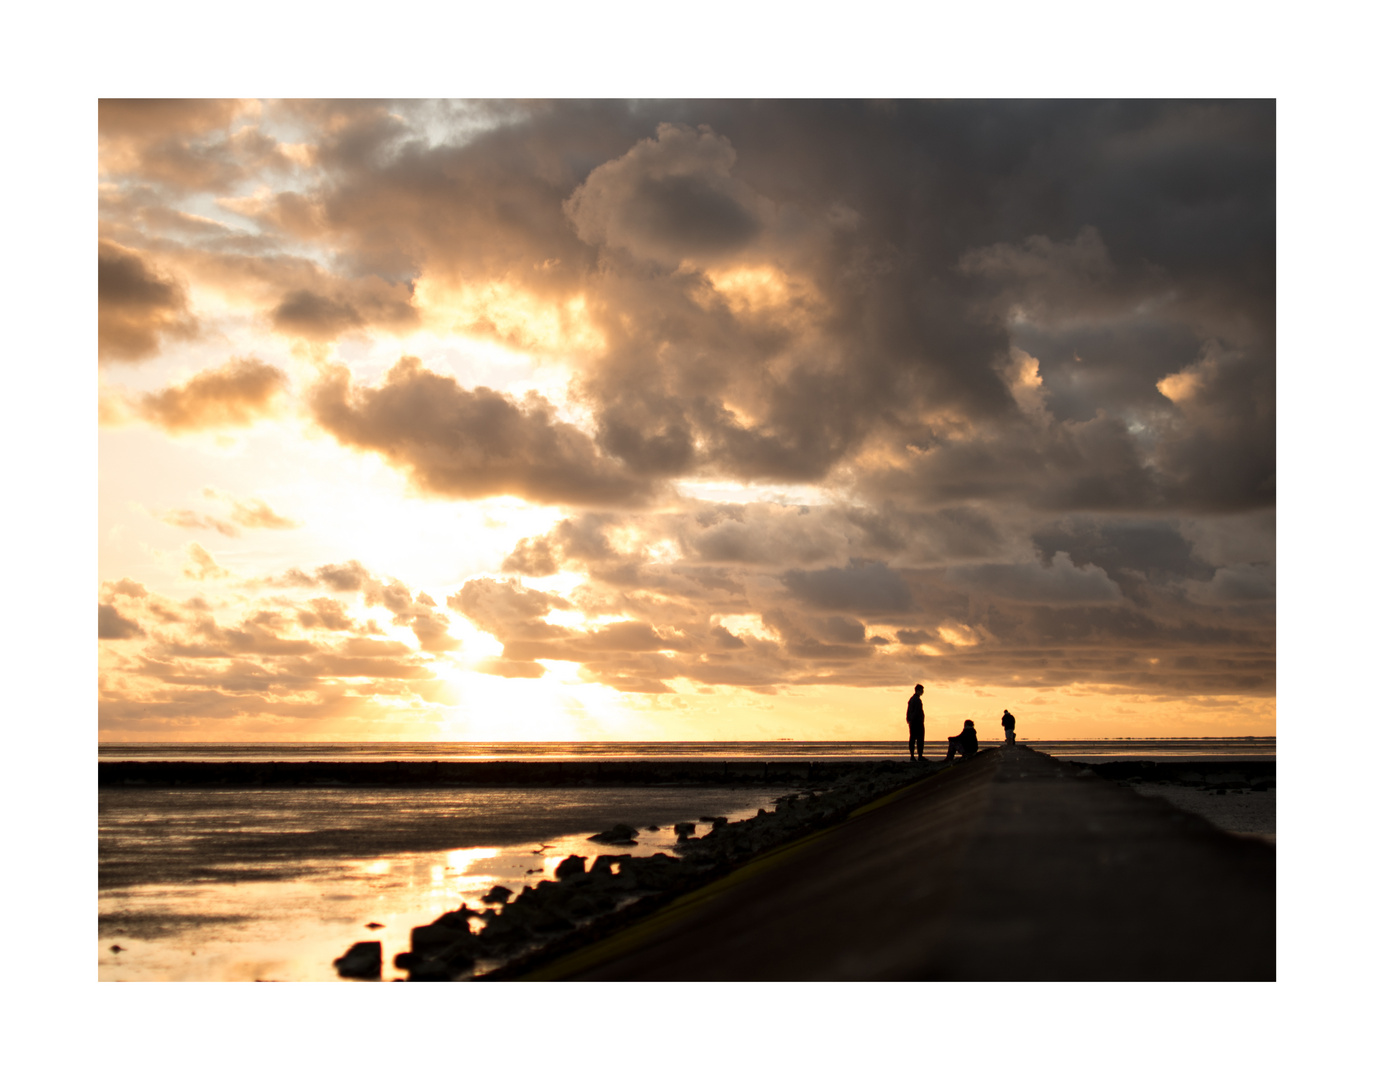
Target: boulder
{"x": 497, "y": 894}
{"x": 438, "y": 935}
{"x": 457, "y": 919}
{"x": 362, "y": 961}
{"x": 616, "y": 834}
{"x": 685, "y": 828}
{"x": 572, "y": 866}
{"x": 438, "y": 967}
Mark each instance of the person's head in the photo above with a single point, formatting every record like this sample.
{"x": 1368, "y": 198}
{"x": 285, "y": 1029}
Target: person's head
{"x": 968, "y": 724}
{"x": 920, "y": 689}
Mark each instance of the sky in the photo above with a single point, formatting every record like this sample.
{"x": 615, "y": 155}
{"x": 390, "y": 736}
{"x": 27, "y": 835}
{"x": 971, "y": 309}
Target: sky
{"x": 685, "y": 420}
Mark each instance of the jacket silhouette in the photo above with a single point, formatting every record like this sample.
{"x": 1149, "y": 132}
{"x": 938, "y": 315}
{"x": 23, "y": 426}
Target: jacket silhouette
{"x": 965, "y": 743}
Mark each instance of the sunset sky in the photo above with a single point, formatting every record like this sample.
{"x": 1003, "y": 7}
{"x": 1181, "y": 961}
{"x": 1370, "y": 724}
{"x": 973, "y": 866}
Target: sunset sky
{"x": 685, "y": 420}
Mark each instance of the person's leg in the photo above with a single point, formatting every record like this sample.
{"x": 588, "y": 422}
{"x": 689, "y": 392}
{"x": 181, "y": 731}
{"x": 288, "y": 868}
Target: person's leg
{"x": 953, "y": 745}
{"x": 921, "y": 741}
{"x": 911, "y": 743}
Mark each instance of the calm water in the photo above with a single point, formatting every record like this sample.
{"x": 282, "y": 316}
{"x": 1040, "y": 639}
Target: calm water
{"x": 205, "y": 884}
{"x": 1077, "y": 749}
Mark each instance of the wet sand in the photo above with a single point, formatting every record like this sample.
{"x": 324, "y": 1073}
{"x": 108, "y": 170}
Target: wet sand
{"x": 248, "y": 884}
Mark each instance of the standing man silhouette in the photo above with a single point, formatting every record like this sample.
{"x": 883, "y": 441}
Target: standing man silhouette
{"x": 916, "y": 725}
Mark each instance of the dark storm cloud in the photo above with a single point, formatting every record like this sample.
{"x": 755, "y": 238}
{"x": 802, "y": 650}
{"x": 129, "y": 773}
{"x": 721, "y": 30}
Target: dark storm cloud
{"x": 667, "y": 199}
{"x": 923, "y": 602}
{"x": 138, "y": 305}
{"x": 1129, "y": 552}
{"x": 898, "y": 251}
{"x": 860, "y": 586}
{"x": 235, "y": 395}
{"x": 1026, "y": 349}
{"x": 471, "y": 443}
{"x": 1059, "y": 582}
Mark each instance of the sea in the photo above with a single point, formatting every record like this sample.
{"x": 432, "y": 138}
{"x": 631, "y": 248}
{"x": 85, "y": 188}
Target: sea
{"x": 1071, "y": 749}
{"x": 214, "y": 885}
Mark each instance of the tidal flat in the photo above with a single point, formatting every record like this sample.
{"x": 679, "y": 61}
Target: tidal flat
{"x": 234, "y": 885}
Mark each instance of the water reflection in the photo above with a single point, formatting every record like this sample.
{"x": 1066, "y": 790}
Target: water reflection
{"x": 184, "y": 901}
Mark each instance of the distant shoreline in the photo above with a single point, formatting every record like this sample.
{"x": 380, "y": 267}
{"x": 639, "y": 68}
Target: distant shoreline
{"x": 562, "y": 773}
{"x": 664, "y": 751}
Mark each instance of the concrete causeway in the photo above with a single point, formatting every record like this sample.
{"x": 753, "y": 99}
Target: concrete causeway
{"x": 1012, "y": 866}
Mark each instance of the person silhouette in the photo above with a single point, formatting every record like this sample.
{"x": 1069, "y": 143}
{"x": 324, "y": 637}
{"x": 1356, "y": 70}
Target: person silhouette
{"x": 965, "y": 743}
{"x": 916, "y": 725}
{"x": 1009, "y": 725}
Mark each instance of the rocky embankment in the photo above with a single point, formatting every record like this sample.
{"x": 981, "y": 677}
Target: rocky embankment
{"x": 587, "y": 899}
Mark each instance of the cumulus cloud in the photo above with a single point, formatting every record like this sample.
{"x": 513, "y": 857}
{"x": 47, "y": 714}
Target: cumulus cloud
{"x": 471, "y": 443}
{"x": 189, "y": 519}
{"x": 115, "y": 627}
{"x": 202, "y": 566}
{"x": 1021, "y": 354}
{"x": 418, "y": 612}
{"x": 235, "y": 395}
{"x": 288, "y": 658}
{"x": 668, "y": 199}
{"x": 138, "y": 305}
{"x": 191, "y": 145}
{"x": 250, "y": 514}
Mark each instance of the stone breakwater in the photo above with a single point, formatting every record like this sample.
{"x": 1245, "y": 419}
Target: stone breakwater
{"x": 470, "y": 774}
{"x": 586, "y": 900}
{"x": 1212, "y": 776}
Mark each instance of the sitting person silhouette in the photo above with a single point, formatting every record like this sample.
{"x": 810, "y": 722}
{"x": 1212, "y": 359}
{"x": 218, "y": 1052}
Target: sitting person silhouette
{"x": 966, "y": 742}
{"x": 1009, "y": 725}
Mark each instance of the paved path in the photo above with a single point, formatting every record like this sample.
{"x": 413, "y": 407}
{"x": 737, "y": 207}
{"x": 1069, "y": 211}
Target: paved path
{"x": 1010, "y": 866}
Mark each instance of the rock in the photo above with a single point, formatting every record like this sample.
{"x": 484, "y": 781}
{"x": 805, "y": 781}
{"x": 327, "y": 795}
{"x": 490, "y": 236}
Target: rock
{"x": 497, "y": 894}
{"x": 685, "y": 828}
{"x": 444, "y": 930}
{"x": 572, "y": 866}
{"x": 441, "y": 967}
{"x": 616, "y": 834}
{"x": 362, "y": 961}
{"x": 116, "y": 948}
{"x": 376, "y": 926}
{"x": 604, "y": 863}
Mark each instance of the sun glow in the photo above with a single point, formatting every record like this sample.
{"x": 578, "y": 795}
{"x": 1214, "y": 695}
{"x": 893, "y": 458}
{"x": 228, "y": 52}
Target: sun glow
{"x": 558, "y": 706}
{"x": 758, "y": 290}
{"x": 502, "y": 309}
